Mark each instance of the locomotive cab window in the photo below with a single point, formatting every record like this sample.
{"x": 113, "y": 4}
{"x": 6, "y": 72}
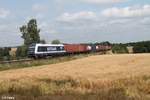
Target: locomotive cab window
{"x": 42, "y": 49}
{"x": 62, "y": 48}
{"x": 51, "y": 48}
{"x": 59, "y": 48}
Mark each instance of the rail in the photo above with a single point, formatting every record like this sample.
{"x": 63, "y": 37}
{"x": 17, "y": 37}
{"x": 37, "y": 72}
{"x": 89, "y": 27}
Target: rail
{"x": 15, "y": 61}
{"x": 29, "y": 60}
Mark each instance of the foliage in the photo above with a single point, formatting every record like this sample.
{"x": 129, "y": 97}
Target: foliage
{"x": 138, "y": 47}
{"x": 22, "y": 51}
{"x": 42, "y": 41}
{"x": 106, "y": 43}
{"x": 119, "y": 48}
{"x": 39, "y": 62}
{"x": 30, "y": 32}
{"x": 4, "y": 53}
{"x": 142, "y": 47}
{"x": 56, "y": 41}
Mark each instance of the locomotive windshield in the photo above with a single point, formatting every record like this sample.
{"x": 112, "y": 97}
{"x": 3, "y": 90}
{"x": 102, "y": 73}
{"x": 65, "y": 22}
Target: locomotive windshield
{"x": 42, "y": 49}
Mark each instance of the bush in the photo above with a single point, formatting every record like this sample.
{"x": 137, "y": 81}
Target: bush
{"x": 56, "y": 42}
{"x": 22, "y": 51}
{"x": 118, "y": 48}
{"x": 4, "y": 53}
{"x": 142, "y": 47}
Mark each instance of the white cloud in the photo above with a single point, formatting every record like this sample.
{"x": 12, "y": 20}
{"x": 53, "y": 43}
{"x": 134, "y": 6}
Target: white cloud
{"x": 88, "y": 21}
{"x": 70, "y": 17}
{"x": 127, "y": 11}
{"x": 119, "y": 21}
{"x": 93, "y": 1}
{"x": 103, "y": 1}
{"x": 39, "y": 11}
{"x": 4, "y": 13}
{"x": 12, "y": 28}
{"x": 39, "y": 8}
{"x": 46, "y": 27}
{"x": 145, "y": 21}
{"x": 3, "y": 27}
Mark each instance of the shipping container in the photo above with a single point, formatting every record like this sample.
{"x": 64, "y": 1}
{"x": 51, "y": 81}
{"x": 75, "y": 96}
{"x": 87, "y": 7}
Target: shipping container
{"x": 103, "y": 48}
{"x": 76, "y": 48}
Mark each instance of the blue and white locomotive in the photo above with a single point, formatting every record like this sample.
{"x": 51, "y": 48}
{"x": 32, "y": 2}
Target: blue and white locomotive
{"x": 44, "y": 50}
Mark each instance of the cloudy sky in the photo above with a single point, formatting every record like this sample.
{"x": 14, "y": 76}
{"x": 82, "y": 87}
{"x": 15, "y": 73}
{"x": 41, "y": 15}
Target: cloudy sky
{"x": 76, "y": 21}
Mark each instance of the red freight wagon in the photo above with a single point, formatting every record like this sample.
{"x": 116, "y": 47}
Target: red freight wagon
{"x": 76, "y": 48}
{"x": 103, "y": 48}
{"x": 108, "y": 47}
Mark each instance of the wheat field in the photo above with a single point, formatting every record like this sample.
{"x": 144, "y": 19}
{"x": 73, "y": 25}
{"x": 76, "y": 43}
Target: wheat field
{"x": 100, "y": 77}
{"x": 100, "y": 67}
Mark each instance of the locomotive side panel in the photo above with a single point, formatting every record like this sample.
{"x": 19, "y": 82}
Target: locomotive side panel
{"x": 44, "y": 50}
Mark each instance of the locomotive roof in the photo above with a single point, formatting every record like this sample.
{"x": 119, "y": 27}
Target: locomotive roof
{"x": 49, "y": 44}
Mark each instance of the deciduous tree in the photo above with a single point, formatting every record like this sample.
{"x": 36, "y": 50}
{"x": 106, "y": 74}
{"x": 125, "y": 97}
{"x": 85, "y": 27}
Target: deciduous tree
{"x": 30, "y": 32}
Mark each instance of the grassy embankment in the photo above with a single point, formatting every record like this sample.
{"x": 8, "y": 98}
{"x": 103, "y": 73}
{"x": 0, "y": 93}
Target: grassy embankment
{"x": 39, "y": 62}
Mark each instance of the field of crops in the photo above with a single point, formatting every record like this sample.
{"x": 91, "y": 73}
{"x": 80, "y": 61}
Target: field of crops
{"x": 101, "y": 77}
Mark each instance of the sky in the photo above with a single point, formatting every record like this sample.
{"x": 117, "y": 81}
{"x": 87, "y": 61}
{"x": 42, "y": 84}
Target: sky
{"x": 76, "y": 21}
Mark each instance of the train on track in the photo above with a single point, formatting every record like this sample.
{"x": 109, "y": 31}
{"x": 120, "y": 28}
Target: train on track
{"x": 46, "y": 50}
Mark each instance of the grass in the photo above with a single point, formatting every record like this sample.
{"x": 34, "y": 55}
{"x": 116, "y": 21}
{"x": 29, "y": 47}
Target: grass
{"x": 134, "y": 88}
{"x": 40, "y": 62}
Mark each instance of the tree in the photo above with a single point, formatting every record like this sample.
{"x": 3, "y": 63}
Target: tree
{"x": 1, "y": 53}
{"x": 4, "y": 53}
{"x": 30, "y": 32}
{"x": 43, "y": 41}
{"x": 56, "y": 41}
{"x": 119, "y": 48}
{"x": 106, "y": 43}
{"x": 22, "y": 51}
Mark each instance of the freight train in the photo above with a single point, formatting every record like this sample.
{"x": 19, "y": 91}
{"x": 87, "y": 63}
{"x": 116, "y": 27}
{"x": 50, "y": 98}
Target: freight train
{"x": 45, "y": 50}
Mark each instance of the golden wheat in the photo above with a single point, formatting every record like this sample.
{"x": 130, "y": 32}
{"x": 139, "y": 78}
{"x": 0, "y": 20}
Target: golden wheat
{"x": 101, "y": 67}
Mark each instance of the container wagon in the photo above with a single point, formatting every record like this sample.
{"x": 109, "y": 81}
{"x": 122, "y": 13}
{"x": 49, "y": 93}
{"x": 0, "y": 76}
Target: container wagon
{"x": 103, "y": 48}
{"x": 77, "y": 48}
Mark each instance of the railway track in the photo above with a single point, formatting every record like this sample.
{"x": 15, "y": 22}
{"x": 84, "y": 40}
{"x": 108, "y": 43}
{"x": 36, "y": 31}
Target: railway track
{"x": 29, "y": 59}
{"x": 15, "y": 61}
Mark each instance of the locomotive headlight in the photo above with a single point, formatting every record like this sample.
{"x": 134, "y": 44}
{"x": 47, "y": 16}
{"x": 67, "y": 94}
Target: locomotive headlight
{"x": 89, "y": 48}
{"x": 97, "y": 47}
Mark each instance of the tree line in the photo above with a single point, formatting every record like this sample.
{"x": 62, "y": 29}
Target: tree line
{"x": 140, "y": 47}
